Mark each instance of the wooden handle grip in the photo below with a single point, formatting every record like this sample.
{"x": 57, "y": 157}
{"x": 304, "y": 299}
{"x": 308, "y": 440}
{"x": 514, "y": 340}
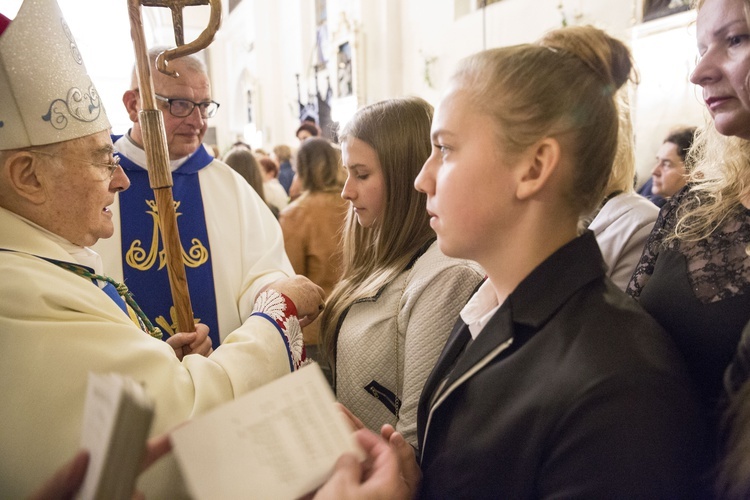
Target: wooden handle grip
{"x": 175, "y": 266}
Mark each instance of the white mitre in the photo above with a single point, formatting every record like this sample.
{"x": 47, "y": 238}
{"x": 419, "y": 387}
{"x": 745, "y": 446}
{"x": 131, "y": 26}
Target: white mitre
{"x": 46, "y": 96}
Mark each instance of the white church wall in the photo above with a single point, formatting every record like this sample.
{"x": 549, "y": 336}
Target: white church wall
{"x": 402, "y": 48}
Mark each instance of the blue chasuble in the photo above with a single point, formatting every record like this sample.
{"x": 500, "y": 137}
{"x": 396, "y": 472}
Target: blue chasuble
{"x": 143, "y": 256}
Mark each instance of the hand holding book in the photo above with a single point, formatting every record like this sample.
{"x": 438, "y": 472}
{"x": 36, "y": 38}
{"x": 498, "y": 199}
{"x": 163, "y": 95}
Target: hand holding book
{"x": 342, "y": 464}
{"x": 279, "y": 441}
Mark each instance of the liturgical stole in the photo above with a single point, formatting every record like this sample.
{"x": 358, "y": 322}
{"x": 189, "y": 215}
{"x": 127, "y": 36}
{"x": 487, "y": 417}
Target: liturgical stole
{"x": 144, "y": 262}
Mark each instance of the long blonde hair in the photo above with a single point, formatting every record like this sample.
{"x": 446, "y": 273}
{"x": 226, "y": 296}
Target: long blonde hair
{"x": 622, "y": 177}
{"x": 719, "y": 177}
{"x": 399, "y": 132}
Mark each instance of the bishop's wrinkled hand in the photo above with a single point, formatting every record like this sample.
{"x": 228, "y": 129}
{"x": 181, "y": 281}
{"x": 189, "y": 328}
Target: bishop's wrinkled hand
{"x": 308, "y": 298}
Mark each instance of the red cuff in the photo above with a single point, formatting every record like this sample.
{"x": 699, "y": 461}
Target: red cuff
{"x": 281, "y": 310}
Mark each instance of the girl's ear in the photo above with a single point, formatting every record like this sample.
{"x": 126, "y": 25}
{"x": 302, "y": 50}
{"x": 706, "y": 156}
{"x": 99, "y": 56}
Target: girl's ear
{"x": 543, "y": 160}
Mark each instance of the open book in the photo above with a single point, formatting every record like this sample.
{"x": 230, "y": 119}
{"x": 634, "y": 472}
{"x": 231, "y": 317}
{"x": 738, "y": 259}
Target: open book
{"x": 116, "y": 423}
{"x": 279, "y": 441}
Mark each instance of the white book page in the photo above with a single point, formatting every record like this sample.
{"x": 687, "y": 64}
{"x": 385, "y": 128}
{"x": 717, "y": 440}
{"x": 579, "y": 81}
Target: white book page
{"x": 279, "y": 441}
{"x": 116, "y": 421}
{"x": 103, "y": 396}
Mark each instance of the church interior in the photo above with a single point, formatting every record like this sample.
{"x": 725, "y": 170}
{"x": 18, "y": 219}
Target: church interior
{"x": 274, "y": 63}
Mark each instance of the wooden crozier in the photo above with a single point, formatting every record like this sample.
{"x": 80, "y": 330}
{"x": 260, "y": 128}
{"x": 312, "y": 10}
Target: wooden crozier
{"x": 155, "y": 139}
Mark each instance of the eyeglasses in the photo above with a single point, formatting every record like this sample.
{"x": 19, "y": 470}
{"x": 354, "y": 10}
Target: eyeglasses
{"x": 183, "y": 107}
{"x": 109, "y": 167}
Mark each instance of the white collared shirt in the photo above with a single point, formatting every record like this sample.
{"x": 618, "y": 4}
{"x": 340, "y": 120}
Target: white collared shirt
{"x": 480, "y": 308}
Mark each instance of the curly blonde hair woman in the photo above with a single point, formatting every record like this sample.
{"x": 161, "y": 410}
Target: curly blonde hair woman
{"x": 694, "y": 274}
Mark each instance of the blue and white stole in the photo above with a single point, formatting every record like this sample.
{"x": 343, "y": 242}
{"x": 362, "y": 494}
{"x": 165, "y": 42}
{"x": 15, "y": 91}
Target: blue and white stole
{"x": 144, "y": 263}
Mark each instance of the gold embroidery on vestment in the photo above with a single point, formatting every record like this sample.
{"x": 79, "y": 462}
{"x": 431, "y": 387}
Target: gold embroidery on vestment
{"x": 138, "y": 258}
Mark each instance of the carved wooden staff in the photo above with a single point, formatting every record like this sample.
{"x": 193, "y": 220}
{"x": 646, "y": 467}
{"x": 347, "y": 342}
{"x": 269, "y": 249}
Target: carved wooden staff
{"x": 155, "y": 138}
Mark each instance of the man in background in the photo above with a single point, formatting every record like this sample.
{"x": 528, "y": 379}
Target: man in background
{"x": 231, "y": 243}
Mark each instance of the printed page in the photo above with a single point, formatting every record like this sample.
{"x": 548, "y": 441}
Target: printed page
{"x": 279, "y": 441}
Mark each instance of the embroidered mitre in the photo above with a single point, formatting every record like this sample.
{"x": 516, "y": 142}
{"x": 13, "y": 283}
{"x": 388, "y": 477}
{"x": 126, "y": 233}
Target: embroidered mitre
{"x": 46, "y": 95}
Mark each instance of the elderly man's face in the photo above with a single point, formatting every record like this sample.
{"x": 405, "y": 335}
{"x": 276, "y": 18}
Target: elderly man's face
{"x": 81, "y": 189}
{"x": 184, "y": 135}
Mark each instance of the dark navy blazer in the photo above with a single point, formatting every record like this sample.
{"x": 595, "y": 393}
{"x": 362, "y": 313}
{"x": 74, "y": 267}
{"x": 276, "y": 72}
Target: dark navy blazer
{"x": 570, "y": 391}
